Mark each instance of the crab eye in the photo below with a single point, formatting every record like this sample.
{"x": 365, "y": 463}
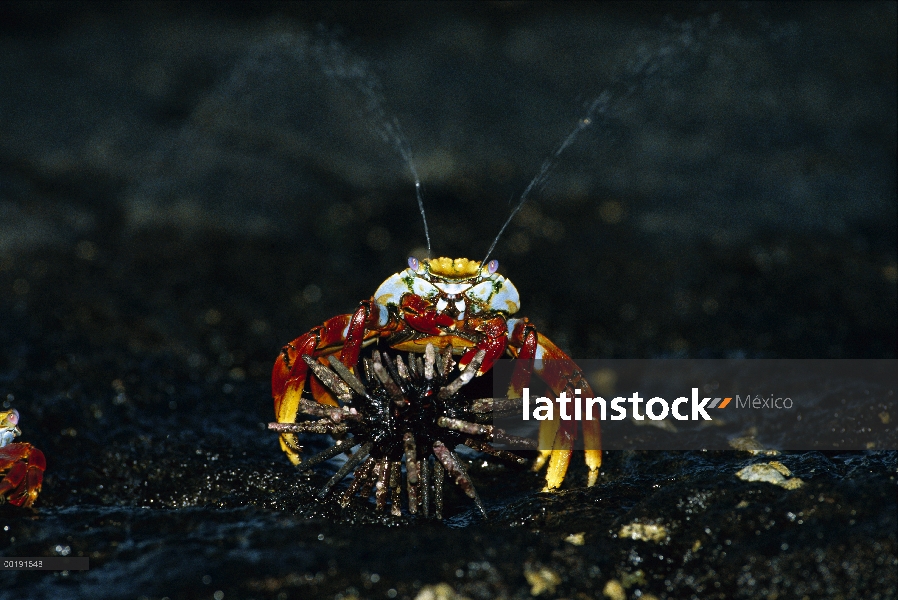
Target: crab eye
{"x": 13, "y": 417}
{"x": 413, "y": 263}
{"x": 493, "y": 266}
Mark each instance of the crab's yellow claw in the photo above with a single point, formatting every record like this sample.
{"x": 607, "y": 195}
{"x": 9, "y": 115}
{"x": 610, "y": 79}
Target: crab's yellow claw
{"x": 547, "y": 431}
{"x": 286, "y": 413}
{"x": 556, "y": 436}
{"x": 559, "y": 459}
{"x": 287, "y": 445}
{"x": 290, "y": 376}
{"x": 560, "y": 438}
{"x": 592, "y": 441}
{"x": 289, "y": 442}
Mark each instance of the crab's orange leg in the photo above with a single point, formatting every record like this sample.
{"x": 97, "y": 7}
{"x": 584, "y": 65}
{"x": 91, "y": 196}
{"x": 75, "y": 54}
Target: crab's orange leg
{"x": 26, "y": 465}
{"x": 562, "y": 375}
{"x": 344, "y": 334}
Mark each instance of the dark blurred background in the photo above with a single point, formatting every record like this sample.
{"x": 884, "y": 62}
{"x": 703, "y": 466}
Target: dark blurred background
{"x": 735, "y": 193}
{"x": 186, "y": 187}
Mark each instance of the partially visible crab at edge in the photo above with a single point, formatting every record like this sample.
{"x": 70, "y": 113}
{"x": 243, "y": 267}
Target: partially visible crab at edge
{"x": 21, "y": 464}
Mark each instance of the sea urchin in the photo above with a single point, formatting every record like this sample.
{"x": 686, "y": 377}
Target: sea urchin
{"x": 393, "y": 410}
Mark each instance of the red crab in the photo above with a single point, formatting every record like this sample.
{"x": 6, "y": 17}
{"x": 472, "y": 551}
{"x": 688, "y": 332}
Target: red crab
{"x": 457, "y": 303}
{"x": 21, "y": 465}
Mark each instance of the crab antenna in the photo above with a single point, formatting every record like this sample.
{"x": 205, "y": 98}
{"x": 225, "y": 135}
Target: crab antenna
{"x": 421, "y": 208}
{"x": 406, "y": 152}
{"x": 407, "y": 155}
{"x": 543, "y": 174}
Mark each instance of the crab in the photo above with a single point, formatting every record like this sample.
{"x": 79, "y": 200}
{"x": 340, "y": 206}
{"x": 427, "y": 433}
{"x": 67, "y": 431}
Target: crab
{"x": 21, "y": 464}
{"x": 454, "y": 307}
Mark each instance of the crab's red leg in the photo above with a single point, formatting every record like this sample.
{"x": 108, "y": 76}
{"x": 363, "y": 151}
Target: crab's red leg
{"x": 422, "y": 316}
{"x": 556, "y": 437}
{"x": 561, "y": 374}
{"x": 288, "y": 378}
{"x": 289, "y": 374}
{"x": 355, "y": 334}
{"x": 344, "y": 334}
{"x": 493, "y": 344}
{"x": 14, "y": 478}
{"x": 525, "y": 335}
